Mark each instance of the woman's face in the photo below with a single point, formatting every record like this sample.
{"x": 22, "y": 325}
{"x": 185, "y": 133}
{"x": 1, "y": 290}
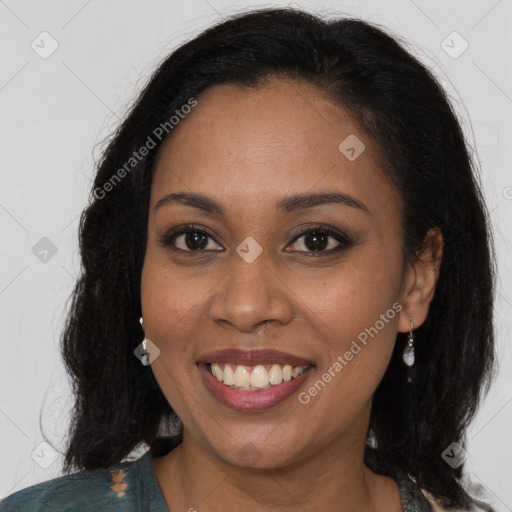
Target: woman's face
{"x": 251, "y": 170}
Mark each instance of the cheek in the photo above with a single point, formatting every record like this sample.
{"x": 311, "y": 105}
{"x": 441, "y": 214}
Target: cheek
{"x": 357, "y": 322}
{"x": 173, "y": 303}
{"x": 169, "y": 306}
{"x": 354, "y": 295}
{"x": 355, "y": 314}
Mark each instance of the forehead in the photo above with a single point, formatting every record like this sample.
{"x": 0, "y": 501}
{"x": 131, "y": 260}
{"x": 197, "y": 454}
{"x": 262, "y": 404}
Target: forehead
{"x": 258, "y": 144}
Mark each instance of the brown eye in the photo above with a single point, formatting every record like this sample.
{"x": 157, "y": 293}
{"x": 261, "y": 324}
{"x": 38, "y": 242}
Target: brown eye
{"x": 194, "y": 240}
{"x": 321, "y": 240}
{"x": 189, "y": 239}
{"x": 311, "y": 240}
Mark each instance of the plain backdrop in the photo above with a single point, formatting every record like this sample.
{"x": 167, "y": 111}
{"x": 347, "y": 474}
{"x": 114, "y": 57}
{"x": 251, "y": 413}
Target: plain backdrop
{"x": 56, "y": 108}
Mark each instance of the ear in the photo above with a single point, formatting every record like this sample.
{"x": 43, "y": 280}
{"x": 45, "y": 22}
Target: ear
{"x": 420, "y": 281}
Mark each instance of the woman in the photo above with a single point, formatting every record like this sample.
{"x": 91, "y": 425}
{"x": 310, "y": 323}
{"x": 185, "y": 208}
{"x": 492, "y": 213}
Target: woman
{"x": 286, "y": 254}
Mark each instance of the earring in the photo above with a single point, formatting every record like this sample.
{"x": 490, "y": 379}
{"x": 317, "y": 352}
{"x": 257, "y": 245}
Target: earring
{"x": 408, "y": 355}
{"x": 144, "y": 341}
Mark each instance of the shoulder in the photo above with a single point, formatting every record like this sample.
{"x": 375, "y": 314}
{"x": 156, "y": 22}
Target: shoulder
{"x": 112, "y": 489}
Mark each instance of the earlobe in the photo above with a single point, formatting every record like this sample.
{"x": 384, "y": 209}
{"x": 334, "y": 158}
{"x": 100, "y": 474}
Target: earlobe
{"x": 420, "y": 281}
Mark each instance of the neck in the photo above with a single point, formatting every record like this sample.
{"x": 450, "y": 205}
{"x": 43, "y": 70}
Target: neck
{"x": 191, "y": 477}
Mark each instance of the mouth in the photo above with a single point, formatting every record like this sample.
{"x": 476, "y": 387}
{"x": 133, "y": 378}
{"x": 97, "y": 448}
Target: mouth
{"x": 253, "y": 380}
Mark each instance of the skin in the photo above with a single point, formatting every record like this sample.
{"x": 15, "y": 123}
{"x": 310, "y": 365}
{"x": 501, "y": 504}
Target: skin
{"x": 247, "y": 149}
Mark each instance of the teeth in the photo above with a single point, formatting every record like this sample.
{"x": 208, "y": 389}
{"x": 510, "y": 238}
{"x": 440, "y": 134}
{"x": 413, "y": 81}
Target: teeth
{"x": 275, "y": 375}
{"x": 242, "y": 376}
{"x": 217, "y": 372}
{"x": 229, "y": 375}
{"x": 257, "y": 377}
{"x": 296, "y": 372}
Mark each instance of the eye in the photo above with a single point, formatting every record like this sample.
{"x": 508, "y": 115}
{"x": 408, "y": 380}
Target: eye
{"x": 190, "y": 239}
{"x": 320, "y": 239}
{"x": 316, "y": 239}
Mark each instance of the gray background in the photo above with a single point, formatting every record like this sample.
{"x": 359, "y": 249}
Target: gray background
{"x": 57, "y": 110}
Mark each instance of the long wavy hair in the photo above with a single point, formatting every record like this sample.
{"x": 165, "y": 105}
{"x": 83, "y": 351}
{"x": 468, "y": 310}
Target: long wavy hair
{"x": 398, "y": 102}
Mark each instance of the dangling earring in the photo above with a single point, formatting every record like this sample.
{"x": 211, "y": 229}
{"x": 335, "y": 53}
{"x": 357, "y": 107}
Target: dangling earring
{"x": 142, "y": 350}
{"x": 408, "y": 355}
{"x": 144, "y": 341}
{"x": 147, "y": 351}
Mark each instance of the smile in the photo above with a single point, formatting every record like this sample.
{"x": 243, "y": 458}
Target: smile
{"x": 254, "y": 378}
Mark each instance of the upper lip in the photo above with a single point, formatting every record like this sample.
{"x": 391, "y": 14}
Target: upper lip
{"x": 252, "y": 357}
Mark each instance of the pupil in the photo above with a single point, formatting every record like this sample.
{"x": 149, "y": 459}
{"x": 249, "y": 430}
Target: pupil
{"x": 196, "y": 240}
{"x": 319, "y": 241}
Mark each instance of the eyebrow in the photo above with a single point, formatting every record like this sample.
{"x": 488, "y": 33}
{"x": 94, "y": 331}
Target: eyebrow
{"x": 287, "y": 205}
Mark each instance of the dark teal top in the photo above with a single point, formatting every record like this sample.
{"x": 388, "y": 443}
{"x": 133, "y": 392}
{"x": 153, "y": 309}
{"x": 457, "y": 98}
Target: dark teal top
{"x": 128, "y": 486}
{"x": 131, "y": 487}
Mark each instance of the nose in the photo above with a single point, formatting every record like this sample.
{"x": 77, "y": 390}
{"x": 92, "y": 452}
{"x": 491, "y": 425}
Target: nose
{"x": 251, "y": 296}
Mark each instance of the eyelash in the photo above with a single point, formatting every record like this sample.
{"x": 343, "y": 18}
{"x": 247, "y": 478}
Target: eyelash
{"x": 168, "y": 239}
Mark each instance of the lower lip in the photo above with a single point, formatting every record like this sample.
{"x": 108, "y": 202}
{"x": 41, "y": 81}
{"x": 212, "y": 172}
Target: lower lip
{"x": 251, "y": 400}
